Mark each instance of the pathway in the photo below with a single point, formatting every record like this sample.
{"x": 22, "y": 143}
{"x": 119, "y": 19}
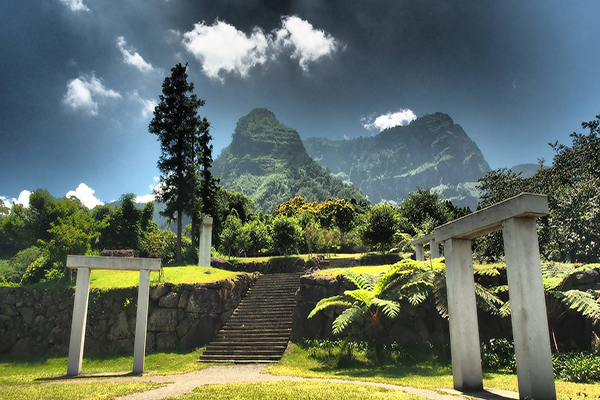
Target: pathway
{"x": 185, "y": 383}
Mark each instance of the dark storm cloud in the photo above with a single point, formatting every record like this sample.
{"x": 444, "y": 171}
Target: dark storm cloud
{"x": 515, "y": 75}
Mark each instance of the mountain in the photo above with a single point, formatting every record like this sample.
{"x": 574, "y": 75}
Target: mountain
{"x": 431, "y": 152}
{"x": 526, "y": 170}
{"x": 266, "y": 160}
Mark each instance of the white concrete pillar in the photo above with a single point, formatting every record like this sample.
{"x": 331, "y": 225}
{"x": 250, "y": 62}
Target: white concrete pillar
{"x": 528, "y": 309}
{"x": 462, "y": 311}
{"x": 420, "y": 252}
{"x": 141, "y": 322}
{"x": 205, "y": 242}
{"x": 434, "y": 249}
{"x": 82, "y": 292}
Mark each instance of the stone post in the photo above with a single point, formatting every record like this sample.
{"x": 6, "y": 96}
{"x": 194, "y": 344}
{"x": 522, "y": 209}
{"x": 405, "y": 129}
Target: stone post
{"x": 462, "y": 312}
{"x": 141, "y": 322}
{"x": 528, "y": 309}
{"x": 205, "y": 242}
{"x": 82, "y": 295}
{"x": 419, "y": 252}
{"x": 434, "y": 248}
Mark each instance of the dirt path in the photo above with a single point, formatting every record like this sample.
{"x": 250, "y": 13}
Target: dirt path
{"x": 185, "y": 383}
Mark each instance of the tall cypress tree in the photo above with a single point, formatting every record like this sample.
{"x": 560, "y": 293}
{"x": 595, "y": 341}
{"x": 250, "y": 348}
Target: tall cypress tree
{"x": 177, "y": 125}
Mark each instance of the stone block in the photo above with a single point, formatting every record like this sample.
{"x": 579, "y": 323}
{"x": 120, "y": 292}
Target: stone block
{"x": 156, "y": 292}
{"x": 205, "y": 301}
{"x": 201, "y": 332}
{"x": 163, "y": 320}
{"x": 28, "y": 314}
{"x": 8, "y": 334}
{"x": 120, "y": 330}
{"x": 166, "y": 341}
{"x": 170, "y": 300}
{"x": 183, "y": 299}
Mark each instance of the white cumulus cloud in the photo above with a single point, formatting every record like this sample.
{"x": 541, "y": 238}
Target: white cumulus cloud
{"x": 221, "y": 48}
{"x": 307, "y": 43}
{"x": 132, "y": 57}
{"x": 86, "y": 92}
{"x": 147, "y": 105}
{"x": 85, "y": 194}
{"x": 149, "y": 197}
{"x": 399, "y": 118}
{"x": 75, "y": 5}
{"x": 23, "y": 199}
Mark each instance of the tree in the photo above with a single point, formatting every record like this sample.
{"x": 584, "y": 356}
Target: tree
{"x": 256, "y": 235}
{"x": 382, "y": 223}
{"x": 232, "y": 240}
{"x": 423, "y": 211}
{"x": 285, "y": 234}
{"x": 178, "y": 127}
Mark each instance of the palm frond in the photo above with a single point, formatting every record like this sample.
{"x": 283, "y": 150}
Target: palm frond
{"x": 584, "y": 302}
{"x": 333, "y": 301}
{"x": 389, "y": 307}
{"x": 348, "y": 316}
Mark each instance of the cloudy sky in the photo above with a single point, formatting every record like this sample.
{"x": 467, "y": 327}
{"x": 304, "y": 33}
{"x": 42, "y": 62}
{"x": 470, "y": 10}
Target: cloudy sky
{"x": 79, "y": 78}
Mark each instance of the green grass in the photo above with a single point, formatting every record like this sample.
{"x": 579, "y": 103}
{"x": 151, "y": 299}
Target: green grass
{"x": 76, "y": 391}
{"x": 296, "y": 391}
{"x": 20, "y": 371}
{"x": 188, "y": 274}
{"x": 296, "y": 362}
{"x": 367, "y": 269}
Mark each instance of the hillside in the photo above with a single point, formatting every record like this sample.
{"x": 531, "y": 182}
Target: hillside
{"x": 266, "y": 160}
{"x": 526, "y": 170}
{"x": 431, "y": 152}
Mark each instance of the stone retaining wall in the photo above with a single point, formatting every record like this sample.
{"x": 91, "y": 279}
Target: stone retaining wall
{"x": 423, "y": 323}
{"x": 183, "y": 316}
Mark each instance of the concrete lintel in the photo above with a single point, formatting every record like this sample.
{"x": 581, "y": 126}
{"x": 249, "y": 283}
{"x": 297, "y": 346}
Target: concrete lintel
{"x": 207, "y": 221}
{"x": 116, "y": 263}
{"x": 423, "y": 239}
{"x": 490, "y": 218}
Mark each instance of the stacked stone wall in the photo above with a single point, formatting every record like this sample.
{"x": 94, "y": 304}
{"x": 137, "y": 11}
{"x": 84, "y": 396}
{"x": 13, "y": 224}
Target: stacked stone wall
{"x": 182, "y": 317}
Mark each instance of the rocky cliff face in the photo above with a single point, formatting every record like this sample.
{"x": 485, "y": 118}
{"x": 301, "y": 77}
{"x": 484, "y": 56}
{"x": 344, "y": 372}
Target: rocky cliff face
{"x": 267, "y": 161}
{"x": 431, "y": 152}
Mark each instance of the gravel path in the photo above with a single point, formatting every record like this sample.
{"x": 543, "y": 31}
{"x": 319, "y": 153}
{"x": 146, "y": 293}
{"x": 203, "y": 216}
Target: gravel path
{"x": 185, "y": 383}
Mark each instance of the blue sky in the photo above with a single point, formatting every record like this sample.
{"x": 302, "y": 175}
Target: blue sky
{"x": 78, "y": 78}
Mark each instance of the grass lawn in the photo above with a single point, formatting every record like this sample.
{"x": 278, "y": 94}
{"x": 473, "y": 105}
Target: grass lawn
{"x": 20, "y": 371}
{"x": 76, "y": 391}
{"x": 296, "y": 391}
{"x": 107, "y": 279}
{"x": 297, "y": 363}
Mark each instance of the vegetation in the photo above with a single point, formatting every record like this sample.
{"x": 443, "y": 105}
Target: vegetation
{"x": 572, "y": 231}
{"x": 296, "y": 390}
{"x": 183, "y": 138}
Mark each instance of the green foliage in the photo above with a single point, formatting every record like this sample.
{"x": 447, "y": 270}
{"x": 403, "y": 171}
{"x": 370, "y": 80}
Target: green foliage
{"x": 498, "y": 354}
{"x": 581, "y": 367}
{"x": 160, "y": 243}
{"x": 423, "y": 210}
{"x": 182, "y": 136}
{"x": 383, "y": 221}
{"x": 13, "y": 269}
{"x": 286, "y": 234}
{"x": 256, "y": 236}
{"x": 232, "y": 238}
{"x": 572, "y": 231}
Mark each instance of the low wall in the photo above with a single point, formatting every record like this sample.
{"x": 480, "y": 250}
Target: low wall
{"x": 183, "y": 316}
{"x": 423, "y": 323}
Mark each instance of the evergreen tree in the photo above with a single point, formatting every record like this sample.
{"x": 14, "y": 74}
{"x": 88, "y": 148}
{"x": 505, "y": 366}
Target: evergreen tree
{"x": 177, "y": 126}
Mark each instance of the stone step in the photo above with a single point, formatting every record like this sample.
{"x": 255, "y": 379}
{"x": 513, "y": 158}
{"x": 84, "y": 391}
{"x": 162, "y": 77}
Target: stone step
{"x": 237, "y": 358}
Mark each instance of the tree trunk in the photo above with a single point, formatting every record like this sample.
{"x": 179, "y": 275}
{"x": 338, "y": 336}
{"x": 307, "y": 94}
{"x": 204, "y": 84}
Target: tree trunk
{"x": 179, "y": 224}
{"x": 194, "y": 230}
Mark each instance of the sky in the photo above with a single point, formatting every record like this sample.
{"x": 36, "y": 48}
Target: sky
{"x": 79, "y": 78}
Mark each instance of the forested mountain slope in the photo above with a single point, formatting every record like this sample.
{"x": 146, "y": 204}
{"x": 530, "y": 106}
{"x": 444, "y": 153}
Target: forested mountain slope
{"x": 266, "y": 160}
{"x": 430, "y": 152}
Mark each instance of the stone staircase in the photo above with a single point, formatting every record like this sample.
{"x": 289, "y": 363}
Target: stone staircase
{"x": 259, "y": 329}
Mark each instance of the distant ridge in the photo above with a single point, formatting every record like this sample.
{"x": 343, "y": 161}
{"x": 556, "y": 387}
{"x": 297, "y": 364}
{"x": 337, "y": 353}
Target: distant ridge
{"x": 432, "y": 152}
{"x": 267, "y": 161}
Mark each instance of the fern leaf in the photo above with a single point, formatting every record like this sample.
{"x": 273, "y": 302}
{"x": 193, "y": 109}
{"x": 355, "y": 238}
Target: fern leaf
{"x": 389, "y": 307}
{"x": 329, "y": 302}
{"x": 504, "y": 311}
{"x": 584, "y": 302}
{"x": 364, "y": 296}
{"x": 348, "y": 316}
{"x": 487, "y": 300}
{"x": 360, "y": 281}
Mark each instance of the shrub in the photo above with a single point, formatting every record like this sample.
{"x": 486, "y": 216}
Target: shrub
{"x": 579, "y": 367}
{"x": 498, "y": 354}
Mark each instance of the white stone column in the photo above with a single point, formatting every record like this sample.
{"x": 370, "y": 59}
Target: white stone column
{"x": 141, "y": 322}
{"x": 419, "y": 252}
{"x": 434, "y": 249}
{"x": 205, "y": 242}
{"x": 82, "y": 291}
{"x": 462, "y": 311}
{"x": 528, "y": 309}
